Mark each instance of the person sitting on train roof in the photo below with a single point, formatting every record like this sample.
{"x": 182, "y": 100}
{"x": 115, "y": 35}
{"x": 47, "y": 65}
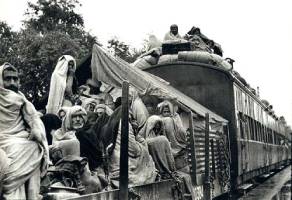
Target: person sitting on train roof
{"x": 158, "y": 146}
{"x": 175, "y": 133}
{"x": 22, "y": 137}
{"x": 141, "y": 166}
{"x": 61, "y": 85}
{"x": 93, "y": 90}
{"x": 172, "y": 34}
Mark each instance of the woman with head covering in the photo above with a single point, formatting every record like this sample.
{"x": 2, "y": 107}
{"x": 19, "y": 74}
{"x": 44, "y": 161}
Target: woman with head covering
{"x": 141, "y": 166}
{"x": 158, "y": 145}
{"x": 61, "y": 93}
{"x": 64, "y": 138}
{"x": 137, "y": 108}
{"x": 175, "y": 133}
{"x": 100, "y": 109}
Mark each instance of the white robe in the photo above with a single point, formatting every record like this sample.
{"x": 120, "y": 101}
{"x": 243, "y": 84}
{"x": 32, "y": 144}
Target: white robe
{"x": 26, "y": 158}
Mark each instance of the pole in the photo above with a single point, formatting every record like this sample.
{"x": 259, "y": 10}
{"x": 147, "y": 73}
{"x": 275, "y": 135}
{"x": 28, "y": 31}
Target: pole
{"x": 207, "y": 186}
{"x": 192, "y": 148}
{"x": 124, "y": 164}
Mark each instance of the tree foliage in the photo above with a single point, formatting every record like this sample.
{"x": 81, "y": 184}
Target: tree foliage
{"x": 54, "y": 15}
{"x": 122, "y": 50}
{"x": 51, "y": 29}
{"x": 7, "y": 38}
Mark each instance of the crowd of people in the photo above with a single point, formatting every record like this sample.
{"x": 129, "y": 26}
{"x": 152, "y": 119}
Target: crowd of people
{"x": 75, "y": 142}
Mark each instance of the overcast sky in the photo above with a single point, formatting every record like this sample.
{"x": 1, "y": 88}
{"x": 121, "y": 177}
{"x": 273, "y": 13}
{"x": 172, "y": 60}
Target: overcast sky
{"x": 256, "y": 34}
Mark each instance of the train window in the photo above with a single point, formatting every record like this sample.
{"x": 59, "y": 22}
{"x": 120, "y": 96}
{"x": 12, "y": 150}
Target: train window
{"x": 270, "y": 140}
{"x": 265, "y": 134}
{"x": 275, "y": 138}
{"x": 256, "y": 137}
{"x": 243, "y": 125}
{"x": 259, "y": 131}
{"x": 251, "y": 128}
{"x": 240, "y": 120}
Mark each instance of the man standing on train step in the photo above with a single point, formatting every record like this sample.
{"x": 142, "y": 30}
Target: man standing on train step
{"x": 22, "y": 137}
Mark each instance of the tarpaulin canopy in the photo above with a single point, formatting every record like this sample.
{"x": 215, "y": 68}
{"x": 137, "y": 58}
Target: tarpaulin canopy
{"x": 113, "y": 71}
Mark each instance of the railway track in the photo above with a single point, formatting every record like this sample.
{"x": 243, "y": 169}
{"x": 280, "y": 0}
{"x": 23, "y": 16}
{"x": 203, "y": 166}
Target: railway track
{"x": 276, "y": 186}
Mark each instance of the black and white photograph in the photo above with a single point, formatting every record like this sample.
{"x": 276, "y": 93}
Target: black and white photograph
{"x": 145, "y": 100}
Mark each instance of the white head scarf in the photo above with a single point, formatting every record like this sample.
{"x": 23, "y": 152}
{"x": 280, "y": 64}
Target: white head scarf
{"x": 58, "y": 84}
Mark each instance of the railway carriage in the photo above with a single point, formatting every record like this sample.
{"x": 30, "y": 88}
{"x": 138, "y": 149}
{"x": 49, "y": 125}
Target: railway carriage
{"x": 258, "y": 139}
{"x": 246, "y": 138}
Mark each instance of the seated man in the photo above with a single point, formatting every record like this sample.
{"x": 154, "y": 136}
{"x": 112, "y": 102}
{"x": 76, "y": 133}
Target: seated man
{"x": 64, "y": 138}
{"x": 22, "y": 138}
{"x": 172, "y": 34}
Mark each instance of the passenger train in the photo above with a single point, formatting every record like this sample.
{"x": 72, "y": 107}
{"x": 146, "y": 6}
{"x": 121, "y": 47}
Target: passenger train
{"x": 246, "y": 139}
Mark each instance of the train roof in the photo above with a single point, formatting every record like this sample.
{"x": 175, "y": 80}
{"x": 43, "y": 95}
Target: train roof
{"x": 232, "y": 76}
{"x": 114, "y": 71}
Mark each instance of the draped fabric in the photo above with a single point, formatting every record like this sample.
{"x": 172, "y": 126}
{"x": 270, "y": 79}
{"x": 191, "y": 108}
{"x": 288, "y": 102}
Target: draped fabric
{"x": 158, "y": 145}
{"x": 170, "y": 36}
{"x": 58, "y": 84}
{"x": 18, "y": 120}
{"x": 138, "y": 108}
{"x": 174, "y": 130}
{"x": 141, "y": 166}
{"x": 113, "y": 71}
{"x": 89, "y": 146}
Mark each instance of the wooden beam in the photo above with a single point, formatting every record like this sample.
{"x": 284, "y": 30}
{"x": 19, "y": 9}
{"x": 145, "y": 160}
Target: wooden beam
{"x": 193, "y": 152}
{"x": 124, "y": 164}
{"x": 207, "y": 185}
